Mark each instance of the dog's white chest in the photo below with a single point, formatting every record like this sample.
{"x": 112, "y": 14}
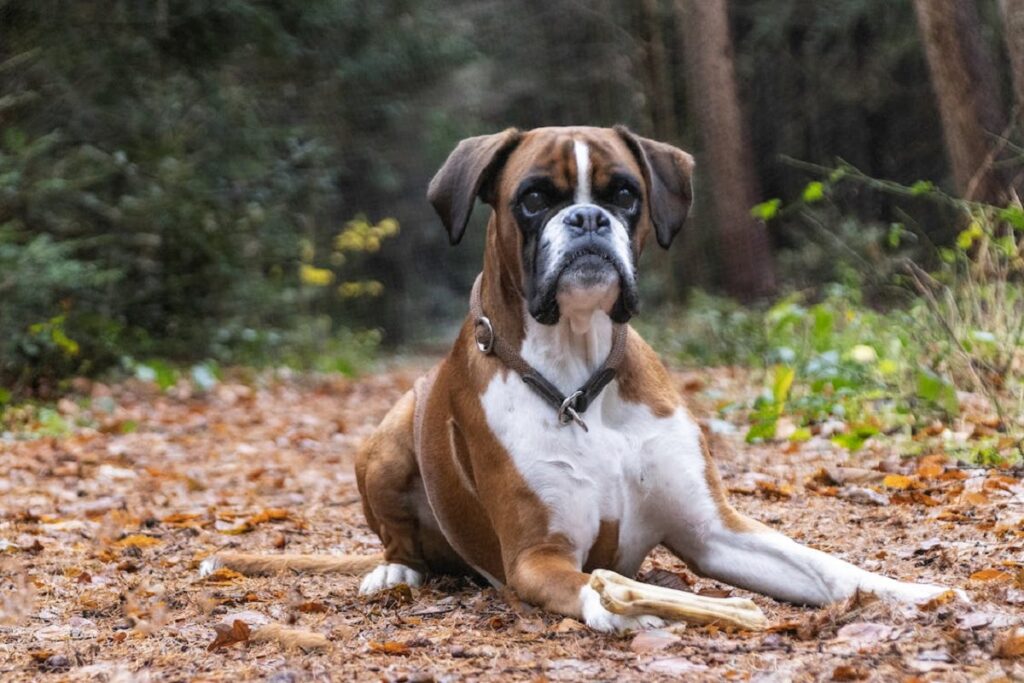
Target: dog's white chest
{"x": 582, "y": 478}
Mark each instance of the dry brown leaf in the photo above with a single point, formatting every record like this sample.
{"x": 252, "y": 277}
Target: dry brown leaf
{"x": 914, "y": 498}
{"x": 845, "y": 672}
{"x": 223, "y": 575}
{"x": 897, "y": 481}
{"x": 269, "y": 515}
{"x": 941, "y": 599}
{"x": 1010, "y": 644}
{"x": 389, "y": 647}
{"x": 181, "y": 519}
{"x": 991, "y": 575}
{"x": 568, "y": 625}
{"x": 138, "y": 541}
{"x": 397, "y": 595}
{"x": 237, "y": 632}
{"x": 769, "y": 489}
{"x": 974, "y": 498}
{"x": 680, "y": 581}
{"x": 312, "y": 607}
{"x": 999, "y": 483}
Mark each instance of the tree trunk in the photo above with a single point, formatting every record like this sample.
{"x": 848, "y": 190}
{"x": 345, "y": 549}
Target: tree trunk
{"x": 1013, "y": 29}
{"x": 744, "y": 246}
{"x": 963, "y": 78}
{"x": 661, "y": 97}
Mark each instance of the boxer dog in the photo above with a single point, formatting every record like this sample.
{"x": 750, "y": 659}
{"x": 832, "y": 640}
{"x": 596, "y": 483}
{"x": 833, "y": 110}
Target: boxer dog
{"x": 551, "y": 441}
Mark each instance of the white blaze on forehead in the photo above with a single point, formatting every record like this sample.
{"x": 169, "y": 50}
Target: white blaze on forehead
{"x": 582, "y": 171}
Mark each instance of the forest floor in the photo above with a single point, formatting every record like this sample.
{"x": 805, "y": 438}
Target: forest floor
{"x": 102, "y": 528}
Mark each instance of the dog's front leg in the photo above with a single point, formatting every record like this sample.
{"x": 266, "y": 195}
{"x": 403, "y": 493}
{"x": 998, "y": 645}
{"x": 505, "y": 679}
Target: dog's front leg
{"x": 549, "y": 577}
{"x": 708, "y": 534}
{"x": 768, "y": 562}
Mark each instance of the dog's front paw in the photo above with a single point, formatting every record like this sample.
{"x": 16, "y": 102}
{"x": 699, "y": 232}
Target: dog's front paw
{"x": 910, "y": 593}
{"x": 600, "y": 619}
{"x": 389, "y": 575}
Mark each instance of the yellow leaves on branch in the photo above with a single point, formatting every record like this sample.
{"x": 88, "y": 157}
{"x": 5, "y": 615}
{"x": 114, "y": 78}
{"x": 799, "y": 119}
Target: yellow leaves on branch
{"x": 358, "y": 236}
{"x": 315, "y": 277}
{"x": 351, "y": 290}
{"x": 361, "y": 236}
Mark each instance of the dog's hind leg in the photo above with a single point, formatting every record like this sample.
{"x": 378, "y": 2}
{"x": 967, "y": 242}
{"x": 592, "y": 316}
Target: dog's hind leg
{"x": 396, "y": 507}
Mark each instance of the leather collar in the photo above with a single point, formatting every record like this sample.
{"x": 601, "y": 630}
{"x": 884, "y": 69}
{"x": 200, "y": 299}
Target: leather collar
{"x": 569, "y": 408}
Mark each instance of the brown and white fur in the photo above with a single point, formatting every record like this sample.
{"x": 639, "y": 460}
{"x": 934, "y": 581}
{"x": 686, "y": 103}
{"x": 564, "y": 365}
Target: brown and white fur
{"x": 500, "y": 488}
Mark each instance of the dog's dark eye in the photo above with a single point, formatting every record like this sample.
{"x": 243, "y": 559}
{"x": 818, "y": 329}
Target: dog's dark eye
{"x": 534, "y": 202}
{"x": 624, "y": 198}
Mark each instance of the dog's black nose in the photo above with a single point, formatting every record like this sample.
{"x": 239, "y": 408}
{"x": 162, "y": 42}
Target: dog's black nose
{"x": 588, "y": 219}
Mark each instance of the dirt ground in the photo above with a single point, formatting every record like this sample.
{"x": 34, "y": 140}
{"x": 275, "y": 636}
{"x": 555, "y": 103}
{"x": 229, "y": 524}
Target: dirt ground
{"x": 102, "y": 530}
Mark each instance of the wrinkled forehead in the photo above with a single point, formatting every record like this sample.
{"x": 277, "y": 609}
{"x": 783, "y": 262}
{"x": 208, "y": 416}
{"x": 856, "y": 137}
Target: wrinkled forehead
{"x": 559, "y": 153}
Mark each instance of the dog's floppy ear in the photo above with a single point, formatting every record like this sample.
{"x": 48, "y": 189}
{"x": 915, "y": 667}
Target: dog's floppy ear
{"x": 467, "y": 174}
{"x": 669, "y": 173}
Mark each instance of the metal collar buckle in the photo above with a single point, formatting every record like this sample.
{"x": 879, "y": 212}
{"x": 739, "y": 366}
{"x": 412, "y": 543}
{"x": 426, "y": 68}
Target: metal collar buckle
{"x": 567, "y": 411}
{"x": 488, "y": 345}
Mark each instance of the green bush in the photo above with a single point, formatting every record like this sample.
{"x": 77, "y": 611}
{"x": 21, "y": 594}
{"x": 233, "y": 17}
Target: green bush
{"x": 41, "y": 324}
{"x": 826, "y": 354}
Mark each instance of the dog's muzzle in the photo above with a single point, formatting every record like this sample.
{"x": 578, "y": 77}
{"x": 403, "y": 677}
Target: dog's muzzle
{"x": 583, "y": 248}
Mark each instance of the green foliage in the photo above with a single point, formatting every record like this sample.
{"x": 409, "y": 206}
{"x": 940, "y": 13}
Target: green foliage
{"x": 159, "y": 174}
{"x": 766, "y": 210}
{"x": 40, "y": 322}
{"x": 832, "y": 360}
{"x": 961, "y": 329}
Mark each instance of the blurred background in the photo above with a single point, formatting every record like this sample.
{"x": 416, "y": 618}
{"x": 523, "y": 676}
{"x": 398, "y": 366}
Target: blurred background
{"x": 243, "y": 182}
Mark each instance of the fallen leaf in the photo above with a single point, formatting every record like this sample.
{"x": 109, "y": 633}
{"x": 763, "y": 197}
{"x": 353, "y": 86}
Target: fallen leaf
{"x": 269, "y": 515}
{"x": 311, "y": 607}
{"x": 223, "y": 575}
{"x": 846, "y": 672}
{"x": 974, "y": 498}
{"x": 990, "y": 575}
{"x": 397, "y": 595}
{"x": 679, "y": 581}
{"x": 1010, "y": 644}
{"x": 180, "y": 519}
{"x": 138, "y": 541}
{"x": 942, "y": 598}
{"x": 389, "y": 647}
{"x": 772, "y": 490}
{"x": 897, "y": 481}
{"x": 998, "y": 483}
{"x": 568, "y": 625}
{"x": 237, "y": 632}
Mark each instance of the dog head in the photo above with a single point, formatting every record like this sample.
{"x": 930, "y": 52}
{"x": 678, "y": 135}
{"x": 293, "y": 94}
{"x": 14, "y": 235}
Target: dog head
{"x": 573, "y": 209}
